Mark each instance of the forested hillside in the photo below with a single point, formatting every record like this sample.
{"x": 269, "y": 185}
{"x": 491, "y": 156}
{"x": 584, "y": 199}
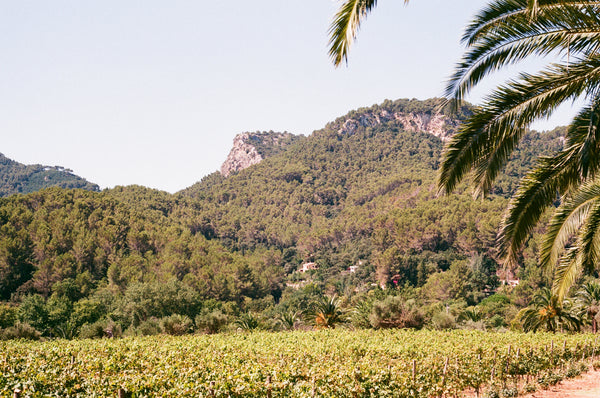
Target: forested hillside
{"x": 357, "y": 199}
{"x": 339, "y": 198}
{"x": 19, "y": 178}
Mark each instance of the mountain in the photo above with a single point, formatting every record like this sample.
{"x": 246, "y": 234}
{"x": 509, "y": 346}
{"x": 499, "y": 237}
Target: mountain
{"x": 251, "y": 148}
{"x": 352, "y": 206}
{"x": 19, "y": 178}
{"x": 362, "y": 190}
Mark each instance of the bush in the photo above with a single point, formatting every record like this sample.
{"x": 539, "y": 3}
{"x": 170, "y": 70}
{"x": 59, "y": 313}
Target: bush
{"x": 33, "y": 311}
{"x": 100, "y": 329}
{"x": 211, "y": 322}
{"x": 529, "y": 388}
{"x": 497, "y": 321}
{"x": 247, "y": 322}
{"x": 509, "y": 392}
{"x": 443, "y": 320}
{"x": 8, "y": 316}
{"x": 66, "y": 330}
{"x": 20, "y": 331}
{"x": 176, "y": 325}
{"x": 149, "y": 327}
{"x": 393, "y": 312}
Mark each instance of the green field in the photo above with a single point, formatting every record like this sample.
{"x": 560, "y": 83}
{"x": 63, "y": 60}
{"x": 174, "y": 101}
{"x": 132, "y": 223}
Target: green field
{"x": 329, "y": 363}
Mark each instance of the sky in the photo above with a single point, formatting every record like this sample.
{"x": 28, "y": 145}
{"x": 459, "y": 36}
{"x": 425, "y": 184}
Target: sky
{"x": 153, "y": 92}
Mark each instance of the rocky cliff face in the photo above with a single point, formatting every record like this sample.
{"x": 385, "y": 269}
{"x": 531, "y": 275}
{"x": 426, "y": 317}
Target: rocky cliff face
{"x": 251, "y": 148}
{"x": 411, "y": 115}
{"x": 436, "y": 124}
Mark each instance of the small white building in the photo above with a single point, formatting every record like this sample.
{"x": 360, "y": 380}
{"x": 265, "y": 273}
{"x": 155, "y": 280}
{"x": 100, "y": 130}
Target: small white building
{"x": 308, "y": 267}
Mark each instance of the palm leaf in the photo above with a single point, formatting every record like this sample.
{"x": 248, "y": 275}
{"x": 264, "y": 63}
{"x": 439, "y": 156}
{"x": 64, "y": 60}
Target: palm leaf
{"x": 344, "y": 28}
{"x": 539, "y": 189}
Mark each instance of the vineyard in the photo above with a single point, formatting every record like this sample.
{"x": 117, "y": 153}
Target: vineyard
{"x": 331, "y": 363}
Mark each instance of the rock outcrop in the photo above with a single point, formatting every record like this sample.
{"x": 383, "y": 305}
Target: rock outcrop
{"x": 436, "y": 124}
{"x": 251, "y": 148}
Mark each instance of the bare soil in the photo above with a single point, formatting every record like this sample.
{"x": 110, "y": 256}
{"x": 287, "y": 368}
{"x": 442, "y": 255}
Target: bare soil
{"x": 585, "y": 386}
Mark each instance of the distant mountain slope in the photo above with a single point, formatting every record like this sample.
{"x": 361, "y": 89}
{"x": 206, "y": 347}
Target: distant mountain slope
{"x": 19, "y": 178}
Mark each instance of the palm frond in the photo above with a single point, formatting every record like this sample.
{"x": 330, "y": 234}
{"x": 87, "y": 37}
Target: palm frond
{"x": 566, "y": 273}
{"x": 553, "y": 176}
{"x": 344, "y": 28}
{"x": 566, "y": 222}
{"x": 486, "y": 140}
{"x": 537, "y": 191}
{"x": 569, "y": 30}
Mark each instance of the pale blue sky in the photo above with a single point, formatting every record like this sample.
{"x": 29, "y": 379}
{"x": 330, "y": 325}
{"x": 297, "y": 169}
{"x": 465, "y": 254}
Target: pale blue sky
{"x": 152, "y": 92}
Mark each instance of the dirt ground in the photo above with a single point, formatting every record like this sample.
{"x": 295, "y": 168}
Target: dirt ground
{"x": 585, "y": 386}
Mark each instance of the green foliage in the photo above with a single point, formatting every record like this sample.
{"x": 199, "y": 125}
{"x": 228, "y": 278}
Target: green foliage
{"x": 20, "y": 331}
{"x": 549, "y": 313}
{"x": 332, "y": 363}
{"x": 394, "y": 312}
{"x": 326, "y": 312}
{"x": 100, "y": 329}
{"x": 211, "y": 322}
{"x": 247, "y": 321}
{"x": 288, "y": 320}
{"x": 149, "y": 327}
{"x": 176, "y": 325}
{"x": 145, "y": 300}
{"x": 8, "y": 315}
{"x": 443, "y": 320}
{"x": 34, "y": 312}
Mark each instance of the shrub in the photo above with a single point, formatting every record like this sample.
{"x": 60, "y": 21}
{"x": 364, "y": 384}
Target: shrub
{"x": 20, "y": 331}
{"x": 100, "y": 329}
{"x": 247, "y": 321}
{"x": 8, "y": 315}
{"x": 211, "y": 322}
{"x": 443, "y": 320}
{"x": 66, "y": 330}
{"x": 149, "y": 327}
{"x": 509, "y": 392}
{"x": 529, "y": 388}
{"x": 393, "y": 312}
{"x": 176, "y": 325}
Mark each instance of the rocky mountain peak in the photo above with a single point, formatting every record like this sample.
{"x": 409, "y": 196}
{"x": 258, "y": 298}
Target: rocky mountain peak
{"x": 251, "y": 148}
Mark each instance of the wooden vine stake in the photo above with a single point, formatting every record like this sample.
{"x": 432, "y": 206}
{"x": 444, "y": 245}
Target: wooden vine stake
{"x": 211, "y": 389}
{"x": 269, "y": 386}
{"x": 414, "y": 370}
{"x": 121, "y": 393}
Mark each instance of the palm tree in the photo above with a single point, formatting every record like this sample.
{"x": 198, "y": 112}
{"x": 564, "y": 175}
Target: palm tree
{"x": 589, "y": 298}
{"x": 503, "y": 33}
{"x": 288, "y": 319}
{"x": 326, "y": 312}
{"x": 548, "y": 312}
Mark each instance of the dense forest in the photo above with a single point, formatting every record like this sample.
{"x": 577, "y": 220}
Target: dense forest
{"x": 19, "y": 178}
{"x": 360, "y": 208}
